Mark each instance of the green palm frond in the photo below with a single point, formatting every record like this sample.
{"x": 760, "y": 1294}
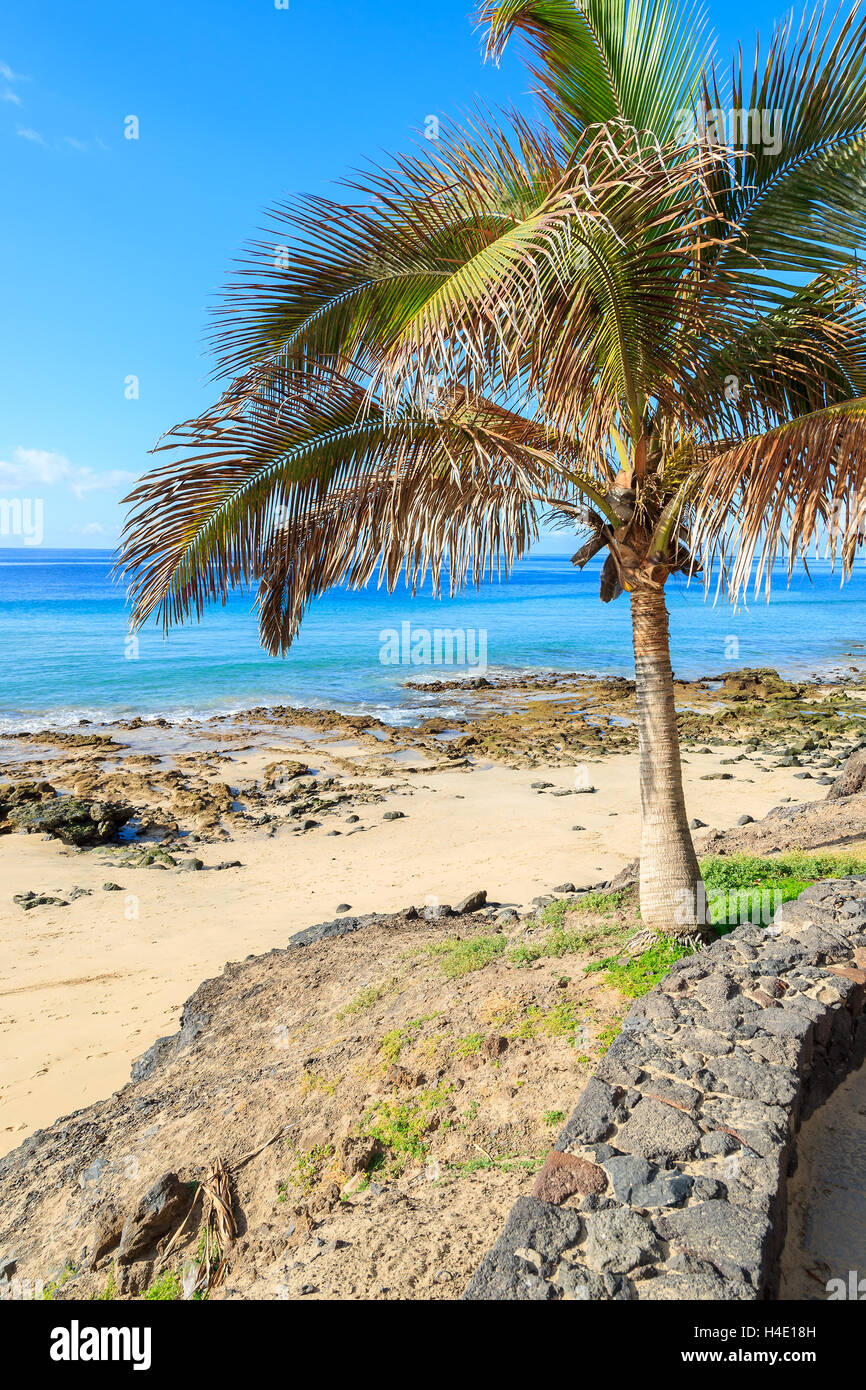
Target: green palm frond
{"x": 591, "y": 304}
{"x": 329, "y": 278}
{"x": 805, "y": 350}
{"x": 796, "y": 182}
{"x": 636, "y": 61}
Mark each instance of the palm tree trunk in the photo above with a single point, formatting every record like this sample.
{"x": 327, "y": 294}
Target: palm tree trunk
{"x": 671, "y": 894}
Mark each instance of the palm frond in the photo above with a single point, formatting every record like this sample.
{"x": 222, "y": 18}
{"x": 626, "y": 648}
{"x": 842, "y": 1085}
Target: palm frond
{"x": 327, "y": 487}
{"x": 592, "y": 303}
{"x": 328, "y": 278}
{"x": 636, "y": 61}
{"x": 797, "y": 173}
{"x": 799, "y": 485}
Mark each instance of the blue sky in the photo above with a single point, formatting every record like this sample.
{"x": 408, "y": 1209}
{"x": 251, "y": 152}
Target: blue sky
{"x": 110, "y": 248}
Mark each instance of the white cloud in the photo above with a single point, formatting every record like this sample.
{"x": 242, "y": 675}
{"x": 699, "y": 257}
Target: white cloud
{"x": 10, "y": 76}
{"x": 76, "y": 144}
{"x": 11, "y": 96}
{"x": 93, "y": 528}
{"x": 31, "y": 135}
{"x": 32, "y": 469}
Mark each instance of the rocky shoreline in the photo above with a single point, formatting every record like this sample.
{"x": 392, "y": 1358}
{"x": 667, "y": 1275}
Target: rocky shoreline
{"x": 174, "y": 790}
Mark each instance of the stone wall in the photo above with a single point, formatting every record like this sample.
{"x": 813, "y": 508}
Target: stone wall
{"x": 669, "y": 1180}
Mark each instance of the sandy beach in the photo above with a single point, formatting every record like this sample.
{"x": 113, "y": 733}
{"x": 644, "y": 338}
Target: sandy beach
{"x": 88, "y": 985}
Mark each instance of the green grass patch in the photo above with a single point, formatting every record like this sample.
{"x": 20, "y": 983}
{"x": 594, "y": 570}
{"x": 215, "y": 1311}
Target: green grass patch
{"x": 366, "y": 998}
{"x": 608, "y": 1034}
{"x": 307, "y": 1168}
{"x": 402, "y": 1127}
{"x": 562, "y": 1021}
{"x": 746, "y": 870}
{"x": 468, "y": 1046}
{"x": 638, "y": 975}
{"x": 557, "y": 943}
{"x": 602, "y": 904}
{"x": 605, "y": 903}
{"x": 392, "y": 1045}
{"x": 507, "y": 1164}
{"x": 167, "y": 1288}
{"x": 461, "y": 957}
{"x": 730, "y": 907}
{"x": 745, "y": 888}
{"x": 50, "y": 1289}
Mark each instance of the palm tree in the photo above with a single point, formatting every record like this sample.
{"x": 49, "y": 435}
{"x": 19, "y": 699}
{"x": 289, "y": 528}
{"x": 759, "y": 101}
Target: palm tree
{"x": 654, "y": 334}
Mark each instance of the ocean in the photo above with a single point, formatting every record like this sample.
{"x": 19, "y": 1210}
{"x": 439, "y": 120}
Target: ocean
{"x": 67, "y": 654}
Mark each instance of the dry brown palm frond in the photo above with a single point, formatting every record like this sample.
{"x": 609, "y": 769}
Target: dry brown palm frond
{"x": 471, "y": 517}
{"x": 324, "y": 487}
{"x": 799, "y": 485}
{"x": 218, "y": 1229}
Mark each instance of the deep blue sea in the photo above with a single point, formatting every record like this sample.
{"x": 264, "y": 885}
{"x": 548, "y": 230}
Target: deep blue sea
{"x": 66, "y": 652}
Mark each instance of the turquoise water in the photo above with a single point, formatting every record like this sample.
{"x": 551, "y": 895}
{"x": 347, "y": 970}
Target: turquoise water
{"x": 63, "y": 626}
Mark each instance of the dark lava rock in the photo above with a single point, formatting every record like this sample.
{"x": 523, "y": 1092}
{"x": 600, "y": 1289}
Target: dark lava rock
{"x": 658, "y": 1131}
{"x": 192, "y": 1024}
{"x": 344, "y": 907}
{"x": 473, "y": 902}
{"x": 579, "y": 1283}
{"x": 619, "y": 1240}
{"x": 531, "y": 1225}
{"x": 434, "y": 912}
{"x": 642, "y": 1184}
{"x": 340, "y": 926}
{"x": 730, "y": 1238}
{"x": 592, "y": 1117}
{"x": 162, "y": 1207}
{"x": 394, "y": 815}
{"x": 746, "y": 820}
